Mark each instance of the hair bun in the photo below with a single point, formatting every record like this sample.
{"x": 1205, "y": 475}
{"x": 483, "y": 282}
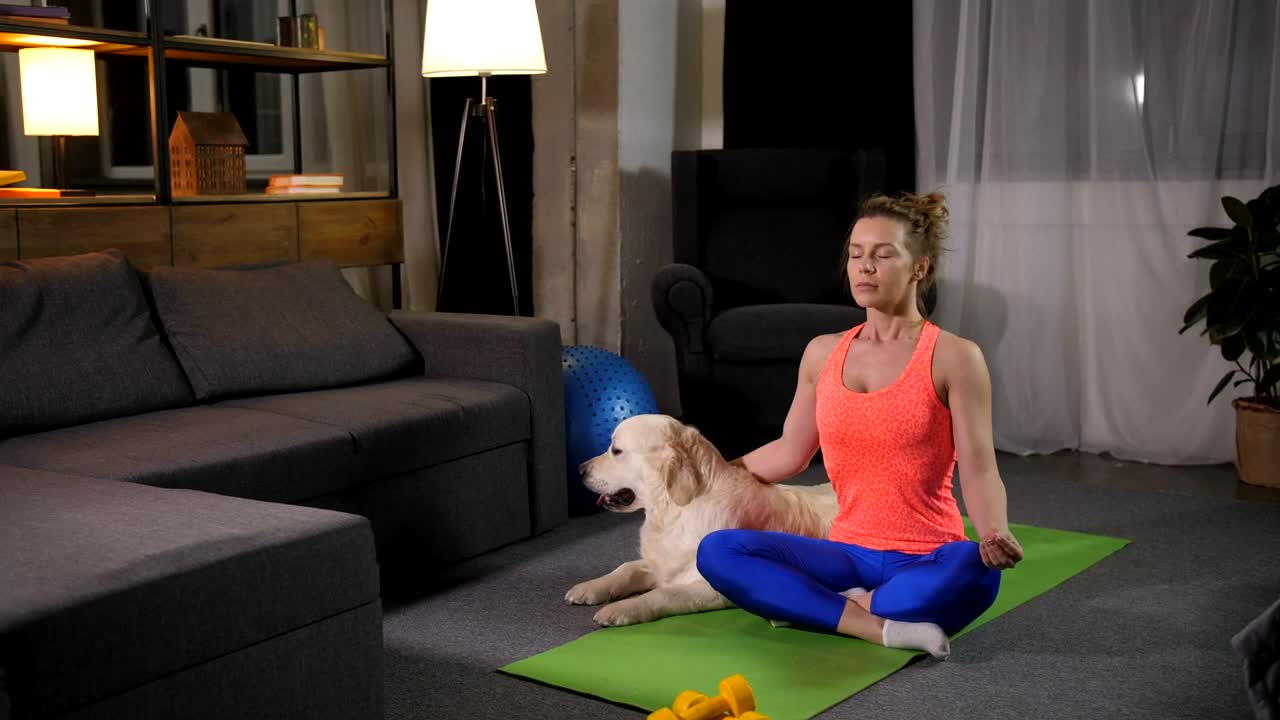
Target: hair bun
{"x": 933, "y": 205}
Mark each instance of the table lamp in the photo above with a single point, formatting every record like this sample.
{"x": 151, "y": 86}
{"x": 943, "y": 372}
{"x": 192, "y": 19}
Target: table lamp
{"x": 59, "y": 97}
{"x": 484, "y": 38}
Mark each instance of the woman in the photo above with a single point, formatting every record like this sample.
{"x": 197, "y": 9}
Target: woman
{"x": 895, "y": 405}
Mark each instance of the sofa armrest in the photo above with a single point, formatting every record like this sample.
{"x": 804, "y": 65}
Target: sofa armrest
{"x": 682, "y": 301}
{"x": 519, "y": 351}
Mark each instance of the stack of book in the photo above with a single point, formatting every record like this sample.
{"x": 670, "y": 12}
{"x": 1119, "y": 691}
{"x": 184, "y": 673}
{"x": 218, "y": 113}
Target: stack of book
{"x": 51, "y": 15}
{"x": 9, "y": 177}
{"x": 304, "y": 183}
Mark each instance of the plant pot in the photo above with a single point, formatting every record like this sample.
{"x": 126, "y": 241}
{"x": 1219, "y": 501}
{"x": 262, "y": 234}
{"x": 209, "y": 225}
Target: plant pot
{"x": 1257, "y": 442}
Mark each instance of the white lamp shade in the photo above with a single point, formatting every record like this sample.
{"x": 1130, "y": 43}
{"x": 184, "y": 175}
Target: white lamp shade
{"x": 59, "y": 91}
{"x": 482, "y": 37}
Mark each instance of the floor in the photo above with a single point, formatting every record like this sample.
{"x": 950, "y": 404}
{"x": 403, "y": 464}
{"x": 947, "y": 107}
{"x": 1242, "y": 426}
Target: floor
{"x": 1217, "y": 481}
{"x": 1145, "y": 633}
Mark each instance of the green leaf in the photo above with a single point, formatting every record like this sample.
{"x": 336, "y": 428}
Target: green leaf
{"x": 1237, "y": 211}
{"x": 1259, "y": 213}
{"x": 1230, "y": 248}
{"x": 1222, "y": 384}
{"x": 1271, "y": 196}
{"x": 1233, "y": 346}
{"x": 1231, "y": 306}
{"x": 1223, "y": 316}
{"x": 1267, "y": 240}
{"x": 1261, "y": 333}
{"x": 1219, "y": 334}
{"x": 1211, "y": 233}
{"x": 1269, "y": 380}
{"x": 1195, "y": 313}
{"x": 1226, "y": 270}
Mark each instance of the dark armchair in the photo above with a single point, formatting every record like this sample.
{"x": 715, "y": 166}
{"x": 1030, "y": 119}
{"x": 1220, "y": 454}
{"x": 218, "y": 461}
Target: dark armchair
{"x": 758, "y": 240}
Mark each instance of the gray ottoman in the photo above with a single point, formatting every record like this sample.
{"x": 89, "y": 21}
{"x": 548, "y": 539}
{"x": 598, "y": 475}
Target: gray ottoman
{"x": 127, "y": 601}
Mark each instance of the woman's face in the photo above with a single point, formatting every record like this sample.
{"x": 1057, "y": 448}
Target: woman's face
{"x": 882, "y": 273}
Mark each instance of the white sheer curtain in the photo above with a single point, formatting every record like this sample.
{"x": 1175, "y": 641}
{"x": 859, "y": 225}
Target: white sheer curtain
{"x": 345, "y": 130}
{"x": 1077, "y": 143}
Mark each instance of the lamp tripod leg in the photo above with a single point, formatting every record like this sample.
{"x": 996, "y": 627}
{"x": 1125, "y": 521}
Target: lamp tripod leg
{"x": 453, "y": 199}
{"x": 502, "y": 204}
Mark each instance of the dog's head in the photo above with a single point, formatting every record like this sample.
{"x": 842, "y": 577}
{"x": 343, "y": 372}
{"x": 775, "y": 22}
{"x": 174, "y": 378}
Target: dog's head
{"x": 651, "y": 461}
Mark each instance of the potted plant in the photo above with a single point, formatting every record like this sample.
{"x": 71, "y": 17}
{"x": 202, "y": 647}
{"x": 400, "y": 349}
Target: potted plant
{"x": 1242, "y": 316}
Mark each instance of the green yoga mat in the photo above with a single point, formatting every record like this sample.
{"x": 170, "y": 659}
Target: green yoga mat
{"x": 795, "y": 673}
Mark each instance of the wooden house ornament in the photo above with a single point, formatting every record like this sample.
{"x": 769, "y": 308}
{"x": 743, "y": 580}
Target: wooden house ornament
{"x": 206, "y": 154}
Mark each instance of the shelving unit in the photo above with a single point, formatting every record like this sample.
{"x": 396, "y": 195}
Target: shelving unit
{"x": 16, "y": 34}
{"x": 371, "y": 217}
{"x": 79, "y": 201}
{"x": 263, "y": 197}
{"x": 212, "y": 52}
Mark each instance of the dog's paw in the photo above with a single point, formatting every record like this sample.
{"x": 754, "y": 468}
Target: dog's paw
{"x": 625, "y": 612}
{"x": 587, "y": 593}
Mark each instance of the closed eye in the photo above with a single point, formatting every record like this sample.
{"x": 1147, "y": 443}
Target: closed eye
{"x": 615, "y": 450}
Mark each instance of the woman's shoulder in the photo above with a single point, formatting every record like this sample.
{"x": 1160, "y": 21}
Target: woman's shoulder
{"x": 818, "y": 351}
{"x": 953, "y": 352}
{"x": 824, "y": 345}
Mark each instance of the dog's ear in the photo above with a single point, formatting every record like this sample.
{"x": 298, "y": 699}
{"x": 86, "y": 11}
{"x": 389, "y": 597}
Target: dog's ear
{"x": 683, "y": 472}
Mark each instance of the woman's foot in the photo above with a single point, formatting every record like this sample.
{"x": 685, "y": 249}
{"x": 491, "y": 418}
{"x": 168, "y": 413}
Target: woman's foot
{"x": 917, "y": 636}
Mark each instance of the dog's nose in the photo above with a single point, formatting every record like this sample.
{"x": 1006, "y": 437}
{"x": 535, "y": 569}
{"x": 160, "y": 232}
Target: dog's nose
{"x": 583, "y": 468}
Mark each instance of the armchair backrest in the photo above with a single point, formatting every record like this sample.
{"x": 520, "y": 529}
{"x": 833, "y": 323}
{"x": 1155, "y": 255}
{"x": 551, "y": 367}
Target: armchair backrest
{"x": 769, "y": 225}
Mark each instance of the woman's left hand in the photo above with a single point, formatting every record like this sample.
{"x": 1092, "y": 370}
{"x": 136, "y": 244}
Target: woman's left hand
{"x": 1000, "y": 550}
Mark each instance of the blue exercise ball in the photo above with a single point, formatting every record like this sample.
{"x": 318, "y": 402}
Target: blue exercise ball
{"x": 601, "y": 389}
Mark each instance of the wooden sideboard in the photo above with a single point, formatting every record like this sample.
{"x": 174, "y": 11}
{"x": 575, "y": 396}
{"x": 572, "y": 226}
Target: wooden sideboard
{"x": 352, "y": 233}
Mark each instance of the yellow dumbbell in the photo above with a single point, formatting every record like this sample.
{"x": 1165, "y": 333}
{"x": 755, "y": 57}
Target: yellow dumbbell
{"x": 735, "y": 698}
{"x": 685, "y": 701}
{"x": 663, "y": 714}
{"x": 752, "y": 715}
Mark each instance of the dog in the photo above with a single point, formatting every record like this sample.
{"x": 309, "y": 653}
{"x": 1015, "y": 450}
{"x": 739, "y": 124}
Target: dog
{"x": 676, "y": 476}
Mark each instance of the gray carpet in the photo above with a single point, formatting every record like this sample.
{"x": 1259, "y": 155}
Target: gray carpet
{"x": 1143, "y": 634}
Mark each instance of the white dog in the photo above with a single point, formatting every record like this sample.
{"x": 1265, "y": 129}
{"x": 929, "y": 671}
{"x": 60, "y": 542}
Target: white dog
{"x": 673, "y": 473}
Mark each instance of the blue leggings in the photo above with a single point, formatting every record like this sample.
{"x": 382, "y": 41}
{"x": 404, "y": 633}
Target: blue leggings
{"x": 798, "y": 579}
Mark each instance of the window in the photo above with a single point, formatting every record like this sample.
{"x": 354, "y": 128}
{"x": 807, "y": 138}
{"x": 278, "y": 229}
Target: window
{"x": 261, "y": 102}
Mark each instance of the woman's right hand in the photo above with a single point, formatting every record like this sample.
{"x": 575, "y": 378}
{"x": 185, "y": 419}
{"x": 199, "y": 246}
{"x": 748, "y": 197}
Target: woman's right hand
{"x": 1000, "y": 550}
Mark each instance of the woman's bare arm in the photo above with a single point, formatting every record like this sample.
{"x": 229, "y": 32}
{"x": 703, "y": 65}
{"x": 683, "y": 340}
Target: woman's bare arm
{"x": 969, "y": 396}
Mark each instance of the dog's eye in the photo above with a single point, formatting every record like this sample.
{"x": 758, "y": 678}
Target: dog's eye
{"x": 615, "y": 451}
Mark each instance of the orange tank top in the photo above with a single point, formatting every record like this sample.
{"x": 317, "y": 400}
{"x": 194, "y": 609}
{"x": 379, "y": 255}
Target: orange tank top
{"x": 890, "y": 455}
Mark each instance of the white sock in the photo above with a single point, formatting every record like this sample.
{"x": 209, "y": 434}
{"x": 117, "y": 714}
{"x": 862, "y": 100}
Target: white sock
{"x": 779, "y": 623}
{"x": 917, "y": 636}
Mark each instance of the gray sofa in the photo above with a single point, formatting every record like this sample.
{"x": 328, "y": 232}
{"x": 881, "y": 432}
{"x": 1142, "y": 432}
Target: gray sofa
{"x": 208, "y": 478}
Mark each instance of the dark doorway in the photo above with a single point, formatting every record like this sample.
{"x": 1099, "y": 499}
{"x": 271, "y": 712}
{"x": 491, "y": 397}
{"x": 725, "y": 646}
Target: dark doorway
{"x": 822, "y": 74}
{"x": 476, "y": 277}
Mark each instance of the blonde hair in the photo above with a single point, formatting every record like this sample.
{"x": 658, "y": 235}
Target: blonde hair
{"x": 926, "y": 217}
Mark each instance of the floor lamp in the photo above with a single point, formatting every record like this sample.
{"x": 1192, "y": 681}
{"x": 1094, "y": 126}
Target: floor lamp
{"x": 484, "y": 38}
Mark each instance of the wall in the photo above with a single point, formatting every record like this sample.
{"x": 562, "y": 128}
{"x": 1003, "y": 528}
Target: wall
{"x": 642, "y": 85}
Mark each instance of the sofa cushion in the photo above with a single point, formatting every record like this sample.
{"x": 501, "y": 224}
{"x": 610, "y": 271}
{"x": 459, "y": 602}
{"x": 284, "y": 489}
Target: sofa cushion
{"x": 277, "y": 329}
{"x": 225, "y": 450}
{"x": 110, "y": 585}
{"x": 77, "y": 344}
{"x": 763, "y": 333}
{"x": 408, "y": 424}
